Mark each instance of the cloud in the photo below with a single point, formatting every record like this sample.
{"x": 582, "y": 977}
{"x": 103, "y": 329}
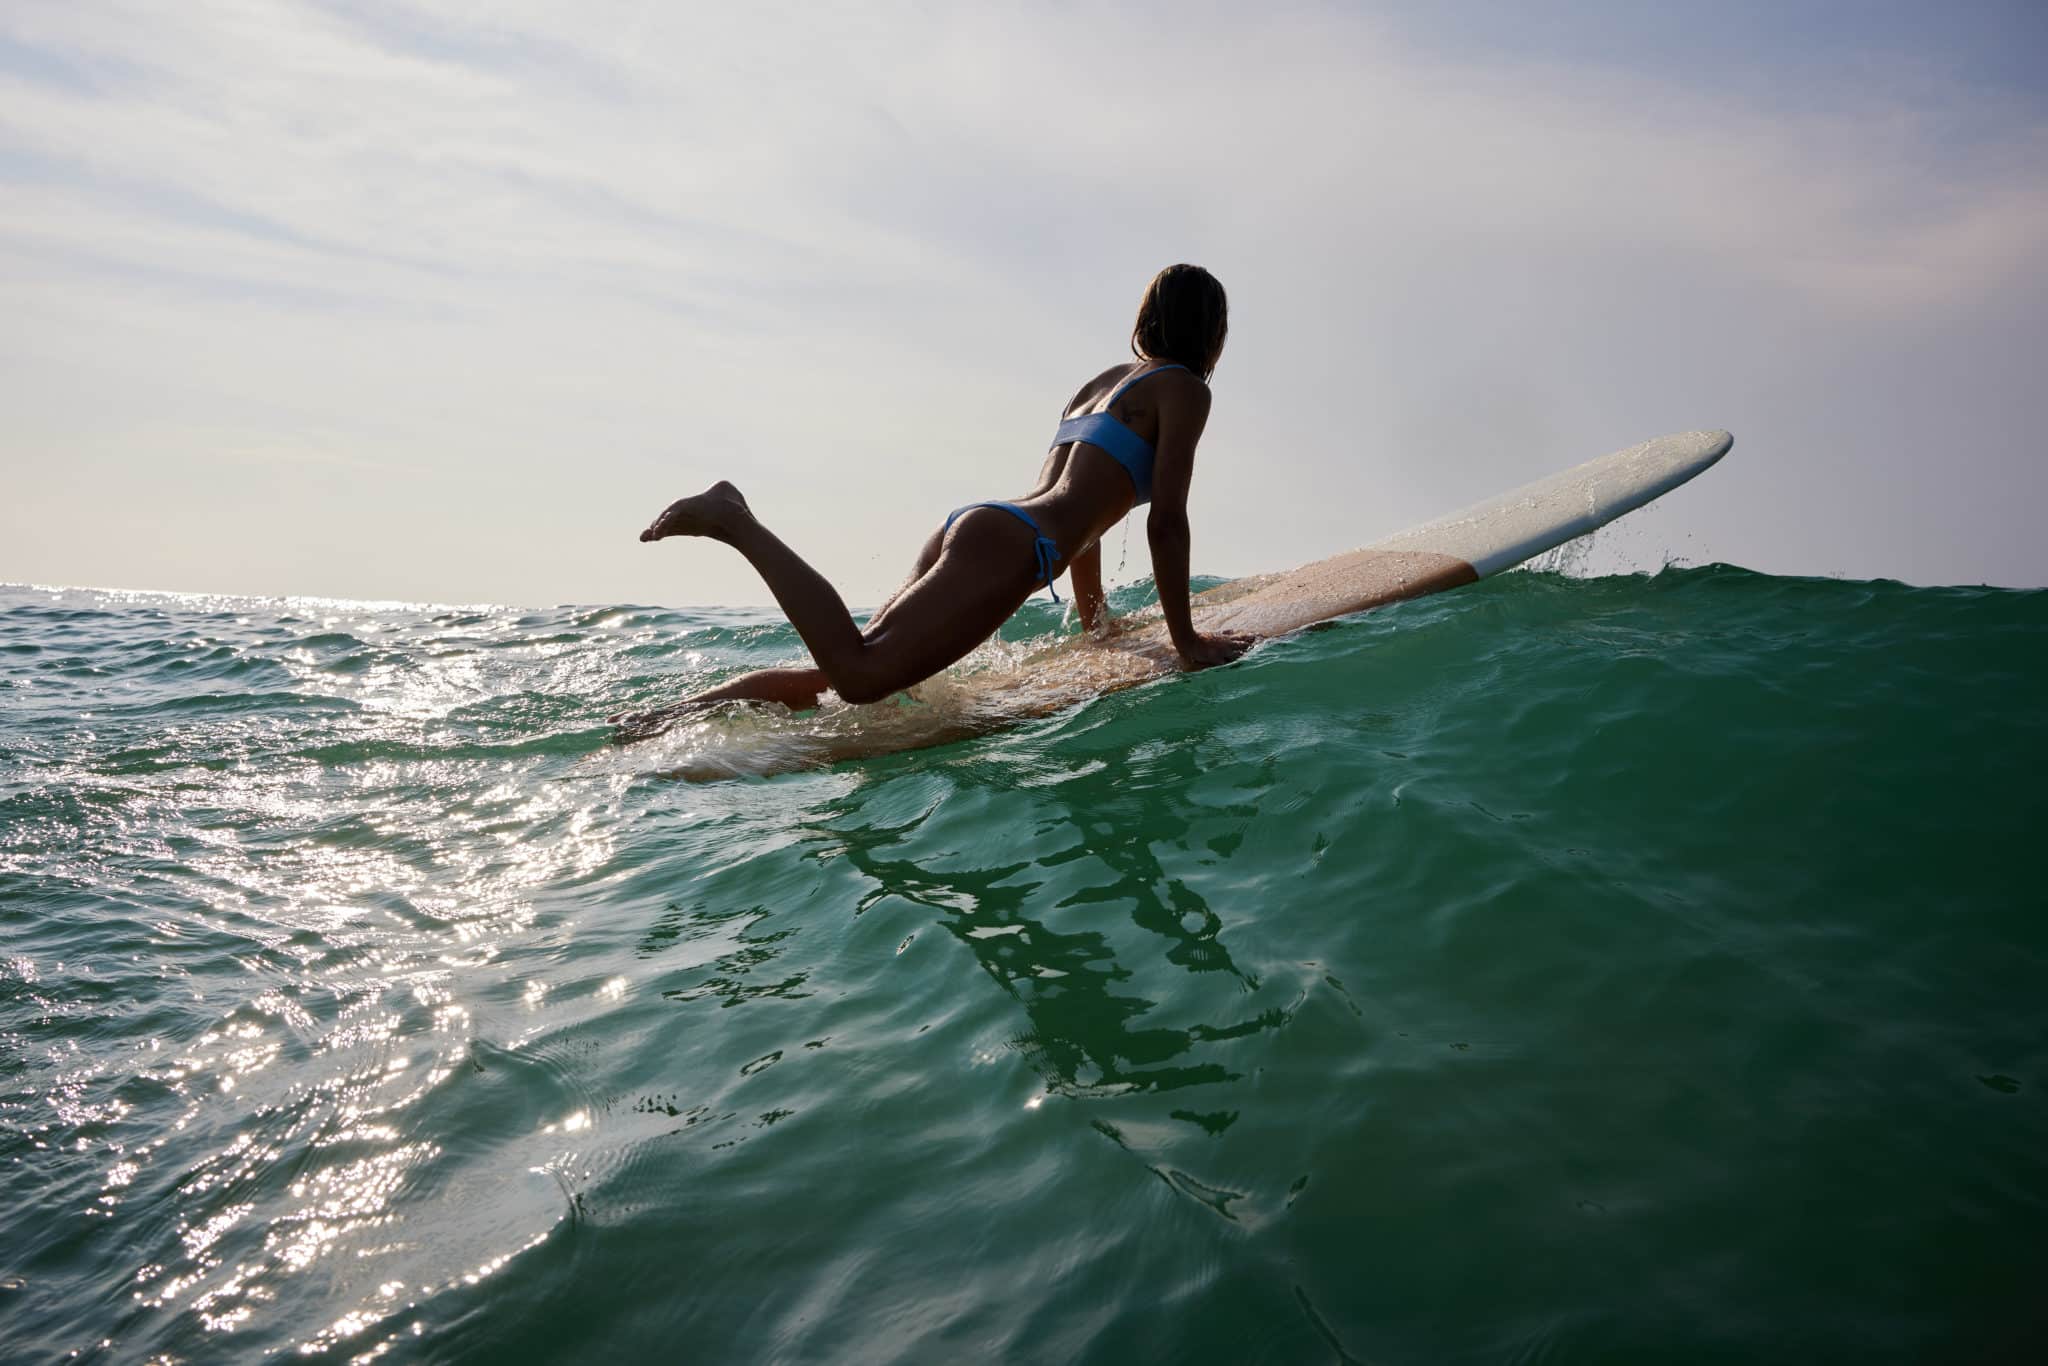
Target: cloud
{"x": 566, "y": 262}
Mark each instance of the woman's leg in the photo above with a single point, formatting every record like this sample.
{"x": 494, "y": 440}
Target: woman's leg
{"x": 979, "y": 577}
{"x": 797, "y": 689}
{"x": 927, "y": 556}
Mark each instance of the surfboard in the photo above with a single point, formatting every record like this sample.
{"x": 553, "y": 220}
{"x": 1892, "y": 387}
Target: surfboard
{"x": 1005, "y": 684}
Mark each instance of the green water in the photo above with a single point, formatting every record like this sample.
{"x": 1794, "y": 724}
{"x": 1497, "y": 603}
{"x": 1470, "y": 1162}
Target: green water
{"x": 1605, "y": 970}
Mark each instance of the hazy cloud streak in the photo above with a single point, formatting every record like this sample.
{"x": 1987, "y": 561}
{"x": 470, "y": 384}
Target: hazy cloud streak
{"x": 490, "y": 283}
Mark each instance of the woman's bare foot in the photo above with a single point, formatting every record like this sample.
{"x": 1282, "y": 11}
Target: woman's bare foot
{"x": 714, "y": 513}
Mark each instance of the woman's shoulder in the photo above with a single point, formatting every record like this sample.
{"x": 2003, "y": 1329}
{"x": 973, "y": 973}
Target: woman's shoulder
{"x": 1177, "y": 385}
{"x": 1086, "y": 396}
{"x": 1108, "y": 379}
{"x": 1170, "y": 374}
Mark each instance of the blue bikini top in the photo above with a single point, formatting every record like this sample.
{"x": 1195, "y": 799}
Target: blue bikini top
{"x": 1104, "y": 432}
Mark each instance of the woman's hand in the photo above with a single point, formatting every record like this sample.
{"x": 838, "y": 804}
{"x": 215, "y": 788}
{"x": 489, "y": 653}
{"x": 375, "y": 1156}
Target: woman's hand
{"x": 1106, "y": 627}
{"x": 1221, "y": 648}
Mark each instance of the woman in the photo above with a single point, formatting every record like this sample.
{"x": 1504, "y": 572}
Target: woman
{"x": 1129, "y": 437}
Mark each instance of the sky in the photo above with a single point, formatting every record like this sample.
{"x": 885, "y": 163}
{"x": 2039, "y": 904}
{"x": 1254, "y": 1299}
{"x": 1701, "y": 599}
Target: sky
{"x": 442, "y": 302}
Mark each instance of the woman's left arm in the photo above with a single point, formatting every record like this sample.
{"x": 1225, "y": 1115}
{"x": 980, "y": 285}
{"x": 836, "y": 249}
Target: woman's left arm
{"x": 1084, "y": 577}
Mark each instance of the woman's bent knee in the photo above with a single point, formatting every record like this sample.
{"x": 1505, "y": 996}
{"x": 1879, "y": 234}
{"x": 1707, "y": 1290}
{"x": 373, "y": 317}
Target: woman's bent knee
{"x": 861, "y": 691}
{"x": 869, "y": 678}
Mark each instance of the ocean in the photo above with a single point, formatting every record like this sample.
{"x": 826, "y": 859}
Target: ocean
{"x": 1582, "y": 969}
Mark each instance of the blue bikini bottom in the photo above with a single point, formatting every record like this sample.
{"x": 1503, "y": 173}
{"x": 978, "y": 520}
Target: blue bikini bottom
{"x": 1043, "y": 548}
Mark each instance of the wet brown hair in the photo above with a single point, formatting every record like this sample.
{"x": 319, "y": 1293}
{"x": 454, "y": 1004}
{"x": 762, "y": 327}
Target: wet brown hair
{"x": 1183, "y": 317}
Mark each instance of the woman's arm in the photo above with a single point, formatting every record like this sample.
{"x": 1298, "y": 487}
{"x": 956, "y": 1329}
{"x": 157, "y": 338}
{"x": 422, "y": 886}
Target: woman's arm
{"x": 1084, "y": 576}
{"x": 1182, "y": 417}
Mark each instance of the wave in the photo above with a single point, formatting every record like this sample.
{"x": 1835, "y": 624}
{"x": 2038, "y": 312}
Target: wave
{"x": 359, "y": 992}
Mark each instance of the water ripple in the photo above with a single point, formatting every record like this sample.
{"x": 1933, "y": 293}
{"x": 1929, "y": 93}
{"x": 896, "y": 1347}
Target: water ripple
{"x": 1558, "y": 969}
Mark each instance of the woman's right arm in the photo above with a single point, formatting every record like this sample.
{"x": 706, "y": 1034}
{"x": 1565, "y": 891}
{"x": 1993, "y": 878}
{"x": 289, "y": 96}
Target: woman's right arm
{"x": 1182, "y": 418}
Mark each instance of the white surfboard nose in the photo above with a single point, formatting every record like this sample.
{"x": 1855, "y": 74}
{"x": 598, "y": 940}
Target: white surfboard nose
{"x": 1504, "y": 531}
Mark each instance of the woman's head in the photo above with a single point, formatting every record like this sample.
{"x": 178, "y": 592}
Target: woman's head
{"x": 1183, "y": 317}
